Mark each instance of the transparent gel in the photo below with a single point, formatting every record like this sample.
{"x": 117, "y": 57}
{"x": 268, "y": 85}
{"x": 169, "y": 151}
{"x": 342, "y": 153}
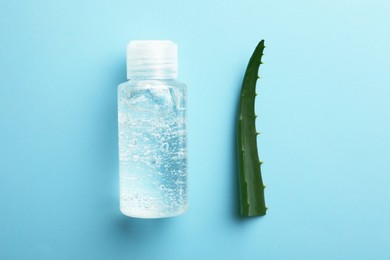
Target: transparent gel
{"x": 152, "y": 144}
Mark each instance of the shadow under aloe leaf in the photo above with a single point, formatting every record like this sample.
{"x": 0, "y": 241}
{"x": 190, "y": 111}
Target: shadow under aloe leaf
{"x": 234, "y": 167}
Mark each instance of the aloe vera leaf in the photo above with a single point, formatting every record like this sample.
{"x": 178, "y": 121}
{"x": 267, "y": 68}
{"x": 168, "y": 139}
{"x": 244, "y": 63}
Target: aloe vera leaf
{"x": 251, "y": 187}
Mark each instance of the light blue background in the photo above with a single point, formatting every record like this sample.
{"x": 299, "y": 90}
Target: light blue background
{"x": 324, "y": 114}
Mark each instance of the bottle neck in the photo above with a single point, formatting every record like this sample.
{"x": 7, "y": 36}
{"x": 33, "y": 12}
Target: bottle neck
{"x": 148, "y": 73}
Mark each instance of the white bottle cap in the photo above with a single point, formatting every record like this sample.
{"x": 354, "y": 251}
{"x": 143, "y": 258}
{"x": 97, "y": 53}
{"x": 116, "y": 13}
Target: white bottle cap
{"x": 151, "y": 59}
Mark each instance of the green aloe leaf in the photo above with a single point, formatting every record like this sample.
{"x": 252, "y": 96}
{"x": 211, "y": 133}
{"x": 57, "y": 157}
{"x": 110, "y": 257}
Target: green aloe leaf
{"x": 251, "y": 187}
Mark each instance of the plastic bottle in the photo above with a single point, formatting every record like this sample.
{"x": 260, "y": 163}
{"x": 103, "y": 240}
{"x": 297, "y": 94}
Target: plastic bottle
{"x": 152, "y": 126}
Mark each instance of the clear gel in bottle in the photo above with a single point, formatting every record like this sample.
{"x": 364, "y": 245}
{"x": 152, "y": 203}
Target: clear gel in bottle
{"x": 152, "y": 128}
